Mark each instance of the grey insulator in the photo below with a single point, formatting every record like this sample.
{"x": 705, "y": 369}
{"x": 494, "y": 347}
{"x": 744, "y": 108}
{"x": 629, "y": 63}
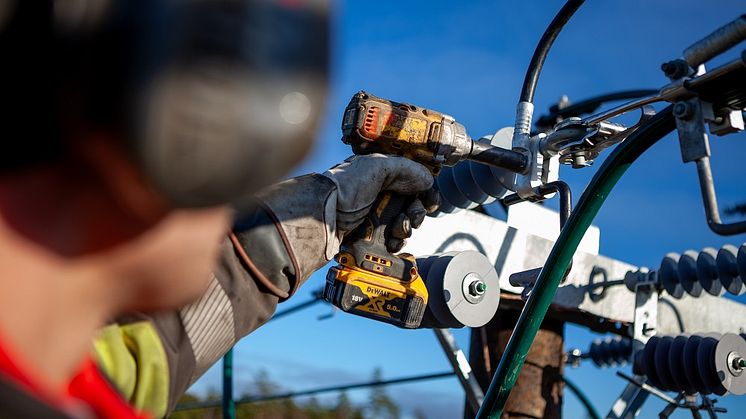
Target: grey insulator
{"x": 454, "y": 299}
{"x": 611, "y": 352}
{"x": 469, "y": 184}
{"x": 712, "y": 271}
{"x": 702, "y": 363}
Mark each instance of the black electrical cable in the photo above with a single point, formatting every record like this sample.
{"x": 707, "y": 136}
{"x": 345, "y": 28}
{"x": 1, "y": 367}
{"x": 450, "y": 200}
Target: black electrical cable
{"x": 542, "y": 49}
{"x": 316, "y": 299}
{"x": 582, "y": 397}
{"x": 256, "y": 399}
{"x": 590, "y": 105}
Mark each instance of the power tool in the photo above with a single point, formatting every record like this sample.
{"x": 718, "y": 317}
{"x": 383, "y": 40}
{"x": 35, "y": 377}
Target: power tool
{"x": 370, "y": 281}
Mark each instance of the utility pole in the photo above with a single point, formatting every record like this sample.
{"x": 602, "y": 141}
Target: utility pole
{"x": 538, "y": 391}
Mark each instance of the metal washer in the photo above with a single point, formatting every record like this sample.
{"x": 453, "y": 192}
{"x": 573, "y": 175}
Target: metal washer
{"x": 445, "y": 286}
{"x": 730, "y": 343}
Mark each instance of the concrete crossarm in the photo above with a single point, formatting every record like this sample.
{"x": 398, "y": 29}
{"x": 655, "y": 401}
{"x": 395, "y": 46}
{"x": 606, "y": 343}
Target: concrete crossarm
{"x": 513, "y": 250}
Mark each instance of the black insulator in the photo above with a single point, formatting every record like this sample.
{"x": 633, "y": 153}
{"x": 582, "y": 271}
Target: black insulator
{"x": 688, "y": 273}
{"x": 728, "y": 272}
{"x": 668, "y": 275}
{"x": 705, "y": 364}
{"x": 707, "y": 271}
{"x": 711, "y": 271}
{"x": 611, "y": 352}
{"x": 469, "y": 184}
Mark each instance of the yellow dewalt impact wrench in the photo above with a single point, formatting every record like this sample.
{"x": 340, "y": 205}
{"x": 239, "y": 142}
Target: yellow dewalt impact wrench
{"x": 370, "y": 281}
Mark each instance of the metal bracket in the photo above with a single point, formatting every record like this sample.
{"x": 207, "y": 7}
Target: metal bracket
{"x": 628, "y": 404}
{"x": 691, "y": 115}
{"x": 695, "y": 147}
{"x": 460, "y": 365}
{"x": 541, "y": 170}
{"x": 690, "y": 125}
{"x": 646, "y": 315}
{"x": 526, "y": 279}
{"x": 578, "y": 143}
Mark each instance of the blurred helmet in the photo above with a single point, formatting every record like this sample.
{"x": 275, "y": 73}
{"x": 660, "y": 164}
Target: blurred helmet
{"x": 214, "y": 99}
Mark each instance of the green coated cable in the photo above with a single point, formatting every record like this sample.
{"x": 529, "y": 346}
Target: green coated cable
{"x": 561, "y": 255}
{"x": 592, "y": 412}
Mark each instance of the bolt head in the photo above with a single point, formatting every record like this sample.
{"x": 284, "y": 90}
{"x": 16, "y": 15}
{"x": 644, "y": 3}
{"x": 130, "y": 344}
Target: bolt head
{"x": 675, "y": 69}
{"x": 682, "y": 110}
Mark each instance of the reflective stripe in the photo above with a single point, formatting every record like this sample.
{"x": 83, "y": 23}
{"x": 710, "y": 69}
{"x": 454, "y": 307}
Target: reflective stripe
{"x": 209, "y": 325}
{"x": 133, "y": 358}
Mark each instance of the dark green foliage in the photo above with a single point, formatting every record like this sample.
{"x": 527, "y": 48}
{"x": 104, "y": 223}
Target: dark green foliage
{"x": 379, "y": 404}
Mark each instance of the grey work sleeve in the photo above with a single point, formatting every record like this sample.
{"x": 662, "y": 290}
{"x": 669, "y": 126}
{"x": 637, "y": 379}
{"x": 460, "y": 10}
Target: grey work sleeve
{"x": 269, "y": 255}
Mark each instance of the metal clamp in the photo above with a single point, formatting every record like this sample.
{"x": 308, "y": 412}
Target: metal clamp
{"x": 695, "y": 147}
{"x": 578, "y": 143}
{"x": 526, "y": 279}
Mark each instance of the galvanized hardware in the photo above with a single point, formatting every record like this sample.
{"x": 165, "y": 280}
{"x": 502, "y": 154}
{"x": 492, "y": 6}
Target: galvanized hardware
{"x": 609, "y": 352}
{"x": 647, "y": 387}
{"x": 526, "y": 279}
{"x": 578, "y": 143}
{"x": 716, "y": 43}
{"x": 593, "y": 285}
{"x": 574, "y": 357}
{"x": 646, "y": 314}
{"x": 540, "y": 169}
{"x": 629, "y": 403}
{"x": 691, "y": 112}
{"x": 461, "y": 368}
{"x": 473, "y": 288}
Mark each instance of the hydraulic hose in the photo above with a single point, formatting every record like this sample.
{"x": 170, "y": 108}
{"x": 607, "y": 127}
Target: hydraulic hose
{"x": 561, "y": 255}
{"x": 542, "y": 49}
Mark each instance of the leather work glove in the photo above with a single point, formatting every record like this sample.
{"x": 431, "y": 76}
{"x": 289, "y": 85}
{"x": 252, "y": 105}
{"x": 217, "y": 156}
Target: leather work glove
{"x": 300, "y": 223}
{"x": 360, "y": 179}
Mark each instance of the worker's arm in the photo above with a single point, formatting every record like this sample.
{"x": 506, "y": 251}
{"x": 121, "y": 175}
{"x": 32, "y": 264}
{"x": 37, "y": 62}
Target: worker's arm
{"x": 295, "y": 230}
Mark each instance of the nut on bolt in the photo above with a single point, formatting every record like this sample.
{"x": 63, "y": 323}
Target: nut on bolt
{"x": 477, "y": 288}
{"x": 683, "y": 110}
{"x": 736, "y": 364}
{"x": 675, "y": 69}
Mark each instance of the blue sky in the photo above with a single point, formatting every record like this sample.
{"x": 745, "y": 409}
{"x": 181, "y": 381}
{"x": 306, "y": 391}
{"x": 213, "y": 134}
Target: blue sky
{"x": 467, "y": 59}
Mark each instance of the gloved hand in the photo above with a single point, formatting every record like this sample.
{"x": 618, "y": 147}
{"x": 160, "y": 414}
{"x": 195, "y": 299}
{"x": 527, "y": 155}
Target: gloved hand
{"x": 360, "y": 179}
{"x": 301, "y": 222}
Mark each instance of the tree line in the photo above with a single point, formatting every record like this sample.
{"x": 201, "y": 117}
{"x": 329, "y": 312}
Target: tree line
{"x": 378, "y": 404}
